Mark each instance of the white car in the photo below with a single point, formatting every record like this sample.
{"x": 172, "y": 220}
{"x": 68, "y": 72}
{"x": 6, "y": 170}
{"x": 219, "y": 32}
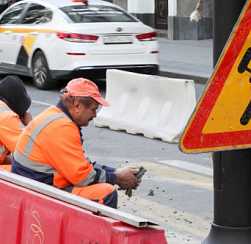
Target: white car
{"x": 51, "y": 40}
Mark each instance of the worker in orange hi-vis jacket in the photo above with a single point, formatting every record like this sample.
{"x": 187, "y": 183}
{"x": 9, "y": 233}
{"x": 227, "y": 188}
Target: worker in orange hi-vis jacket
{"x": 14, "y": 103}
{"x": 50, "y": 148}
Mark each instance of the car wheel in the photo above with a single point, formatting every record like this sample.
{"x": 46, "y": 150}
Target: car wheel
{"x": 40, "y": 72}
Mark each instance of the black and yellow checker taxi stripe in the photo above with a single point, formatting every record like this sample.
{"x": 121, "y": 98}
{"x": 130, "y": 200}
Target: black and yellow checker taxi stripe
{"x": 51, "y": 40}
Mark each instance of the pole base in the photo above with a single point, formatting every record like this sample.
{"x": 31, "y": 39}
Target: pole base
{"x": 230, "y": 235}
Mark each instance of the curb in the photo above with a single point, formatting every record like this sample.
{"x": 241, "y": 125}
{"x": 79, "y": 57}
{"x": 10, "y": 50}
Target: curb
{"x": 197, "y": 79}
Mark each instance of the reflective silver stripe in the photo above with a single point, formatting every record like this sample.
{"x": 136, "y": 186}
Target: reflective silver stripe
{"x": 90, "y": 178}
{"x": 97, "y": 166}
{"x": 36, "y": 132}
{"x": 2, "y": 150}
{"x": 102, "y": 177}
{"x": 43, "y": 168}
{"x": 4, "y": 108}
{"x": 23, "y": 158}
{"x": 88, "y": 159}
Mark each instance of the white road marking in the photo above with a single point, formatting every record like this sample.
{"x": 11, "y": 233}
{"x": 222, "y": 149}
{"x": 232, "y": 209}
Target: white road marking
{"x": 189, "y": 166}
{"x": 162, "y": 173}
{"x": 180, "y": 226}
{"x": 46, "y": 104}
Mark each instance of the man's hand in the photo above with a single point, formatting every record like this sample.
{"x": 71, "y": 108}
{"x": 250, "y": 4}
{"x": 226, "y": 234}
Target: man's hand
{"x": 125, "y": 177}
{"x": 26, "y": 118}
{"x": 139, "y": 175}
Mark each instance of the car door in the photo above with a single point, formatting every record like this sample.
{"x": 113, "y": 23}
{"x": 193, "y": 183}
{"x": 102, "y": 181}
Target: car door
{"x": 8, "y": 38}
{"x": 35, "y": 16}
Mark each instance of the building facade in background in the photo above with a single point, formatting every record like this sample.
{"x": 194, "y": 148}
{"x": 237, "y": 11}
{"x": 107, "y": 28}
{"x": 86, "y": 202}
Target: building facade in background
{"x": 171, "y": 18}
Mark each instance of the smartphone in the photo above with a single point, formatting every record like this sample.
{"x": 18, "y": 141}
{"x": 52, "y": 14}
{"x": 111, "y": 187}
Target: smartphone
{"x": 141, "y": 172}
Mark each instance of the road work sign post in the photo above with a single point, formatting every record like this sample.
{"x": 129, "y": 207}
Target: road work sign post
{"x": 221, "y": 123}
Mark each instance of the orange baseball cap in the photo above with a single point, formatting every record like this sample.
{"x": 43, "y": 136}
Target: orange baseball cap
{"x": 81, "y": 87}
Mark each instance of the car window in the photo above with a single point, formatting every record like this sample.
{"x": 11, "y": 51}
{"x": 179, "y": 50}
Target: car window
{"x": 89, "y": 13}
{"x": 37, "y": 14}
{"x": 13, "y": 15}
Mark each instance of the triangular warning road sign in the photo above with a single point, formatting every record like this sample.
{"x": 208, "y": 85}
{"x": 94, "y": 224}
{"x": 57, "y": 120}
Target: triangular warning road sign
{"x": 222, "y": 117}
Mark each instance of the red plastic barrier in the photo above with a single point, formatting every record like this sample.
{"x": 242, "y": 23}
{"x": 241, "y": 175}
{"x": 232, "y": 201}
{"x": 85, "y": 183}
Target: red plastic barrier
{"x": 32, "y": 218}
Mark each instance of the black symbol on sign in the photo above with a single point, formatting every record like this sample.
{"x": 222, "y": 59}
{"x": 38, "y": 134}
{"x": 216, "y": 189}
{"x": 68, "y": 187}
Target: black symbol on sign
{"x": 243, "y": 66}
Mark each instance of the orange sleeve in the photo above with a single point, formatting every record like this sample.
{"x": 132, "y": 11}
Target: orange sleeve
{"x": 10, "y": 130}
{"x": 63, "y": 150}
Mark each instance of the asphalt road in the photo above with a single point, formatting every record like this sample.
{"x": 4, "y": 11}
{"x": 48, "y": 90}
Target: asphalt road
{"x": 177, "y": 189}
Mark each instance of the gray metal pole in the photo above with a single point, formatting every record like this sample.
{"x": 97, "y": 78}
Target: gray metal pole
{"x": 232, "y": 169}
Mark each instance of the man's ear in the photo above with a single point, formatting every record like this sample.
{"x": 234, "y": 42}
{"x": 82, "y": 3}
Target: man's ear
{"x": 77, "y": 105}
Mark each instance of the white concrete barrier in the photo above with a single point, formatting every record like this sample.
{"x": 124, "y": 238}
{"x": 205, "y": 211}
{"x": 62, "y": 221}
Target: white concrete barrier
{"x": 157, "y": 107}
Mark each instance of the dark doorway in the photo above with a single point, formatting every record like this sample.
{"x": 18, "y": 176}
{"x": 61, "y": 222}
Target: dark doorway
{"x": 161, "y": 14}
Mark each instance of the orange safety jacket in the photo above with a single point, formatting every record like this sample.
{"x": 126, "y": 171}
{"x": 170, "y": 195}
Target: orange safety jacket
{"x": 10, "y": 130}
{"x": 50, "y": 150}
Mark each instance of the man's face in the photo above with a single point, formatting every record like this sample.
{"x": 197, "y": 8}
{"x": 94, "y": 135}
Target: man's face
{"x": 83, "y": 115}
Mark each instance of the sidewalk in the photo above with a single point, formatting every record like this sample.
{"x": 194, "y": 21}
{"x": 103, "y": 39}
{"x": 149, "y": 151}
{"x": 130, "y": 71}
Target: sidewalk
{"x": 186, "y": 59}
